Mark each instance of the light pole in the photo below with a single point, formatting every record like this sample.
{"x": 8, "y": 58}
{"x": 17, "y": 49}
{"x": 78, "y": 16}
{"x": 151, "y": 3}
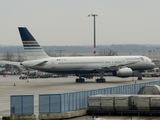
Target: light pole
{"x": 60, "y": 51}
{"x": 153, "y": 54}
{"x": 149, "y": 53}
{"x": 94, "y": 18}
{"x": 158, "y": 52}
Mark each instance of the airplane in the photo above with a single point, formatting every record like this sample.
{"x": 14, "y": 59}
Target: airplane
{"x": 120, "y": 66}
{"x": 84, "y": 66}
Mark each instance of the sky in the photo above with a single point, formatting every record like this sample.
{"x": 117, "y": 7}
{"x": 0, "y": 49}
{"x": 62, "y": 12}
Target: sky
{"x": 66, "y": 22}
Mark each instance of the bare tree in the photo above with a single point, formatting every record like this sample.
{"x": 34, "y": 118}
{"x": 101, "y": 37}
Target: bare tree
{"x": 8, "y": 56}
{"x": 74, "y": 54}
{"x": 49, "y": 53}
{"x": 111, "y": 53}
{"x": 19, "y": 58}
{"x": 55, "y": 55}
{"x": 100, "y": 53}
{"x": 104, "y": 52}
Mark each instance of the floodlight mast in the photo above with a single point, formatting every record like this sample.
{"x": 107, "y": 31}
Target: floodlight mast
{"x": 94, "y": 24}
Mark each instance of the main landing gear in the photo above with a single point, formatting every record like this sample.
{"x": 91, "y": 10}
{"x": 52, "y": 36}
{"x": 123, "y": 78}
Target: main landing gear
{"x": 98, "y": 80}
{"x": 81, "y": 80}
{"x": 101, "y": 79}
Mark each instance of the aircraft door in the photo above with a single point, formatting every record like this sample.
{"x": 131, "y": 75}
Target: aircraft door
{"x": 52, "y": 65}
{"x": 124, "y": 61}
{"x": 104, "y": 63}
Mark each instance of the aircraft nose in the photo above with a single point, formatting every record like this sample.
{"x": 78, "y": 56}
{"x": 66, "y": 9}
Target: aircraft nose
{"x": 153, "y": 64}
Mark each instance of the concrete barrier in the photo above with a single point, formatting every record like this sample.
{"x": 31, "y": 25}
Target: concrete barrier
{"x": 64, "y": 115}
{"x": 6, "y": 118}
{"x": 23, "y": 117}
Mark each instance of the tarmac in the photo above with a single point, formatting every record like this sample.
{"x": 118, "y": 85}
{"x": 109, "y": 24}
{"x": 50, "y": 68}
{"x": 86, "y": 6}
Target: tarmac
{"x": 12, "y": 85}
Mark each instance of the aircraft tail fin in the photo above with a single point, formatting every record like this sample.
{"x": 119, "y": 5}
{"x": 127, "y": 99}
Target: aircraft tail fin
{"x": 31, "y": 47}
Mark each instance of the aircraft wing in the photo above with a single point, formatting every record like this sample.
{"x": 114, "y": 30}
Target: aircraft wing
{"x": 34, "y": 63}
{"x": 10, "y": 63}
{"x": 41, "y": 63}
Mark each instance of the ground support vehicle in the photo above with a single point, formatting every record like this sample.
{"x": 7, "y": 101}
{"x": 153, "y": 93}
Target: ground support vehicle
{"x": 151, "y": 73}
{"x": 23, "y": 76}
{"x": 124, "y": 104}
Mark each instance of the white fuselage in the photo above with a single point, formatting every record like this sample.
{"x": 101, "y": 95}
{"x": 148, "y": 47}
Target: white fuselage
{"x": 89, "y": 64}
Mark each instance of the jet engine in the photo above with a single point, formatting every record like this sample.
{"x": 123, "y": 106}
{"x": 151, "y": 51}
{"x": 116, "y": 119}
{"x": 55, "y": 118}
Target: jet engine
{"x": 123, "y": 72}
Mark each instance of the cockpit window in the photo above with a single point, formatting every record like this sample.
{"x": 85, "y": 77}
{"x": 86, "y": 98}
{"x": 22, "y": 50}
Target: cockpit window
{"x": 147, "y": 59}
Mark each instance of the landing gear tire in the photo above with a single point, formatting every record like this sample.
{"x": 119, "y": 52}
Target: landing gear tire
{"x": 139, "y": 78}
{"x": 102, "y": 80}
{"x": 80, "y": 80}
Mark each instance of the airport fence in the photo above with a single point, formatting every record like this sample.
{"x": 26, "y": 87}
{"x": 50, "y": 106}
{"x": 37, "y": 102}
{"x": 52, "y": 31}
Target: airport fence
{"x": 53, "y": 103}
{"x": 22, "y": 104}
{"x": 58, "y": 103}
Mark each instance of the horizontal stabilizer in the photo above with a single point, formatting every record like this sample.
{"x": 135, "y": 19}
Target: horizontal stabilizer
{"x": 10, "y": 63}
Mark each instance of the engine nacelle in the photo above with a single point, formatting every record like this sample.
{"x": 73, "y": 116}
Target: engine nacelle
{"x": 123, "y": 72}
